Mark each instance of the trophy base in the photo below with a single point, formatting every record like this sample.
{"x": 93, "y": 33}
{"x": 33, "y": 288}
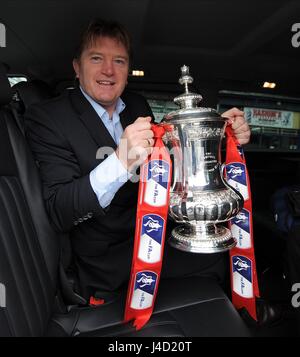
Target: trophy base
{"x": 204, "y": 238}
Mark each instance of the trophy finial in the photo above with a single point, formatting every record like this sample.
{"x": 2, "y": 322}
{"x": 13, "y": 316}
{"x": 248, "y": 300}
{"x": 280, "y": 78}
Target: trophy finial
{"x": 185, "y": 70}
{"x": 188, "y": 99}
{"x": 185, "y": 78}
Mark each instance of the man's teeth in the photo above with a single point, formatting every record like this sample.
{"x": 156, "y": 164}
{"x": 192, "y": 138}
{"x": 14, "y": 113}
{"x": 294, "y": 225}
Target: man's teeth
{"x": 107, "y": 83}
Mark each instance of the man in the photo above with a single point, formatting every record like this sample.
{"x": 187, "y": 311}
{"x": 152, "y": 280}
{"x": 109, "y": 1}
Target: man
{"x": 92, "y": 197}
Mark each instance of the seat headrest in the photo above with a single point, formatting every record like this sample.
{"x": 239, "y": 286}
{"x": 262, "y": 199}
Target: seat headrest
{"x": 32, "y": 92}
{"x": 6, "y": 92}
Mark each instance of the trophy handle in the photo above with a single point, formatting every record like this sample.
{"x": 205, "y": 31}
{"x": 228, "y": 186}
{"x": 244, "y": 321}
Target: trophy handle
{"x": 223, "y": 167}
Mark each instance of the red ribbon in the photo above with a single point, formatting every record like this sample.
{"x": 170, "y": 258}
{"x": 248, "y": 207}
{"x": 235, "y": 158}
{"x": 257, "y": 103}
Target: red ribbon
{"x": 244, "y": 284}
{"x": 151, "y": 220}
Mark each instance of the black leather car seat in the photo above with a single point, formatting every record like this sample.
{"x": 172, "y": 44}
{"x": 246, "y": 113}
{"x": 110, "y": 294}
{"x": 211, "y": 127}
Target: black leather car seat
{"x": 30, "y": 303}
{"x": 26, "y": 94}
{"x": 31, "y": 92}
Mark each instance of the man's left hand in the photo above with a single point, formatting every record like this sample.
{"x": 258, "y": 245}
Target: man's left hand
{"x": 239, "y": 125}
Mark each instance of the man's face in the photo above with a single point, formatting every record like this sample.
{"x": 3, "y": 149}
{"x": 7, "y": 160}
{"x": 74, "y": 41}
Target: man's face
{"x": 103, "y": 70}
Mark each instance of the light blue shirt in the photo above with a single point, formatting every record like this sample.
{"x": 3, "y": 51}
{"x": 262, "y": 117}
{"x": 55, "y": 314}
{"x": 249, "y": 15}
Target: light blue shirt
{"x": 107, "y": 178}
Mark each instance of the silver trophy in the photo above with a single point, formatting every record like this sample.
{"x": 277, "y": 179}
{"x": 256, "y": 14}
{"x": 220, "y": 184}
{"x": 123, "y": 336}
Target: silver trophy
{"x": 200, "y": 198}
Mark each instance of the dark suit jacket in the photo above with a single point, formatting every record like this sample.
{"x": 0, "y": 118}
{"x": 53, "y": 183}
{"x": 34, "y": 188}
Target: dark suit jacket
{"x": 65, "y": 134}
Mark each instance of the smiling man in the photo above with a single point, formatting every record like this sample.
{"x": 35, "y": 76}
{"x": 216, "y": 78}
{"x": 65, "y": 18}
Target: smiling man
{"x": 92, "y": 198}
{"x": 103, "y": 70}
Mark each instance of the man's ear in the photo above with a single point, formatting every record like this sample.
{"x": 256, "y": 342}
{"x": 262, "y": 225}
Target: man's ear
{"x": 76, "y": 67}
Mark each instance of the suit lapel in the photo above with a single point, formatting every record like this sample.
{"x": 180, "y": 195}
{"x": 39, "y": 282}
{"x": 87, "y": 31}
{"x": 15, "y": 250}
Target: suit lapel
{"x": 126, "y": 116}
{"x": 91, "y": 120}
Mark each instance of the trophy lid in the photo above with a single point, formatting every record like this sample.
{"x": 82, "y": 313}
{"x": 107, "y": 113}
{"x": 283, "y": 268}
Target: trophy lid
{"x": 188, "y": 102}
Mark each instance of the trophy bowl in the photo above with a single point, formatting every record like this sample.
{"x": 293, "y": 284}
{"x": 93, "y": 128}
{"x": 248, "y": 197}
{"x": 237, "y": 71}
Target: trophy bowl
{"x": 200, "y": 197}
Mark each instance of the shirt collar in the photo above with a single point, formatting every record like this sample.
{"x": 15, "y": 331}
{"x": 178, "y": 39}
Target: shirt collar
{"x": 120, "y": 105}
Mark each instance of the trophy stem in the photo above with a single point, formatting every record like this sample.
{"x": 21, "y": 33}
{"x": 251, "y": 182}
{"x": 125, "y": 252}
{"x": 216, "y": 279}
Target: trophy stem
{"x": 202, "y": 238}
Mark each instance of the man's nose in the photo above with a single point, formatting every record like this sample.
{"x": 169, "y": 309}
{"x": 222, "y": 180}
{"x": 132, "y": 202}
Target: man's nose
{"x": 107, "y": 67}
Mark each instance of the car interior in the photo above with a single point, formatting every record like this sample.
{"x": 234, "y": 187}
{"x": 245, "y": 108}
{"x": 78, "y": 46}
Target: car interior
{"x": 232, "y": 50}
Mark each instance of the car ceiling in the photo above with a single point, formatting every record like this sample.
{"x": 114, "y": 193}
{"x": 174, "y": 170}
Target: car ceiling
{"x": 227, "y": 44}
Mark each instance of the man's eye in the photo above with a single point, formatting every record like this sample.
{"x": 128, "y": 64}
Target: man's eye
{"x": 120, "y": 61}
{"x": 95, "y": 58}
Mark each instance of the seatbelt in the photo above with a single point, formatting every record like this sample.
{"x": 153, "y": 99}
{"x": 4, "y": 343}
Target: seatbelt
{"x": 18, "y": 119}
{"x": 69, "y": 295}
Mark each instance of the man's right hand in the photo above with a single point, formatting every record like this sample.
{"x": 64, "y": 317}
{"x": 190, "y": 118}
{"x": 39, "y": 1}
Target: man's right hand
{"x": 136, "y": 143}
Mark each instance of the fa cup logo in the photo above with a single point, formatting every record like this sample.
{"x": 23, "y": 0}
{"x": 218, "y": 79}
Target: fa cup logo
{"x": 235, "y": 171}
{"x": 145, "y": 280}
{"x": 157, "y": 170}
{"x": 241, "y": 265}
{"x": 152, "y": 224}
